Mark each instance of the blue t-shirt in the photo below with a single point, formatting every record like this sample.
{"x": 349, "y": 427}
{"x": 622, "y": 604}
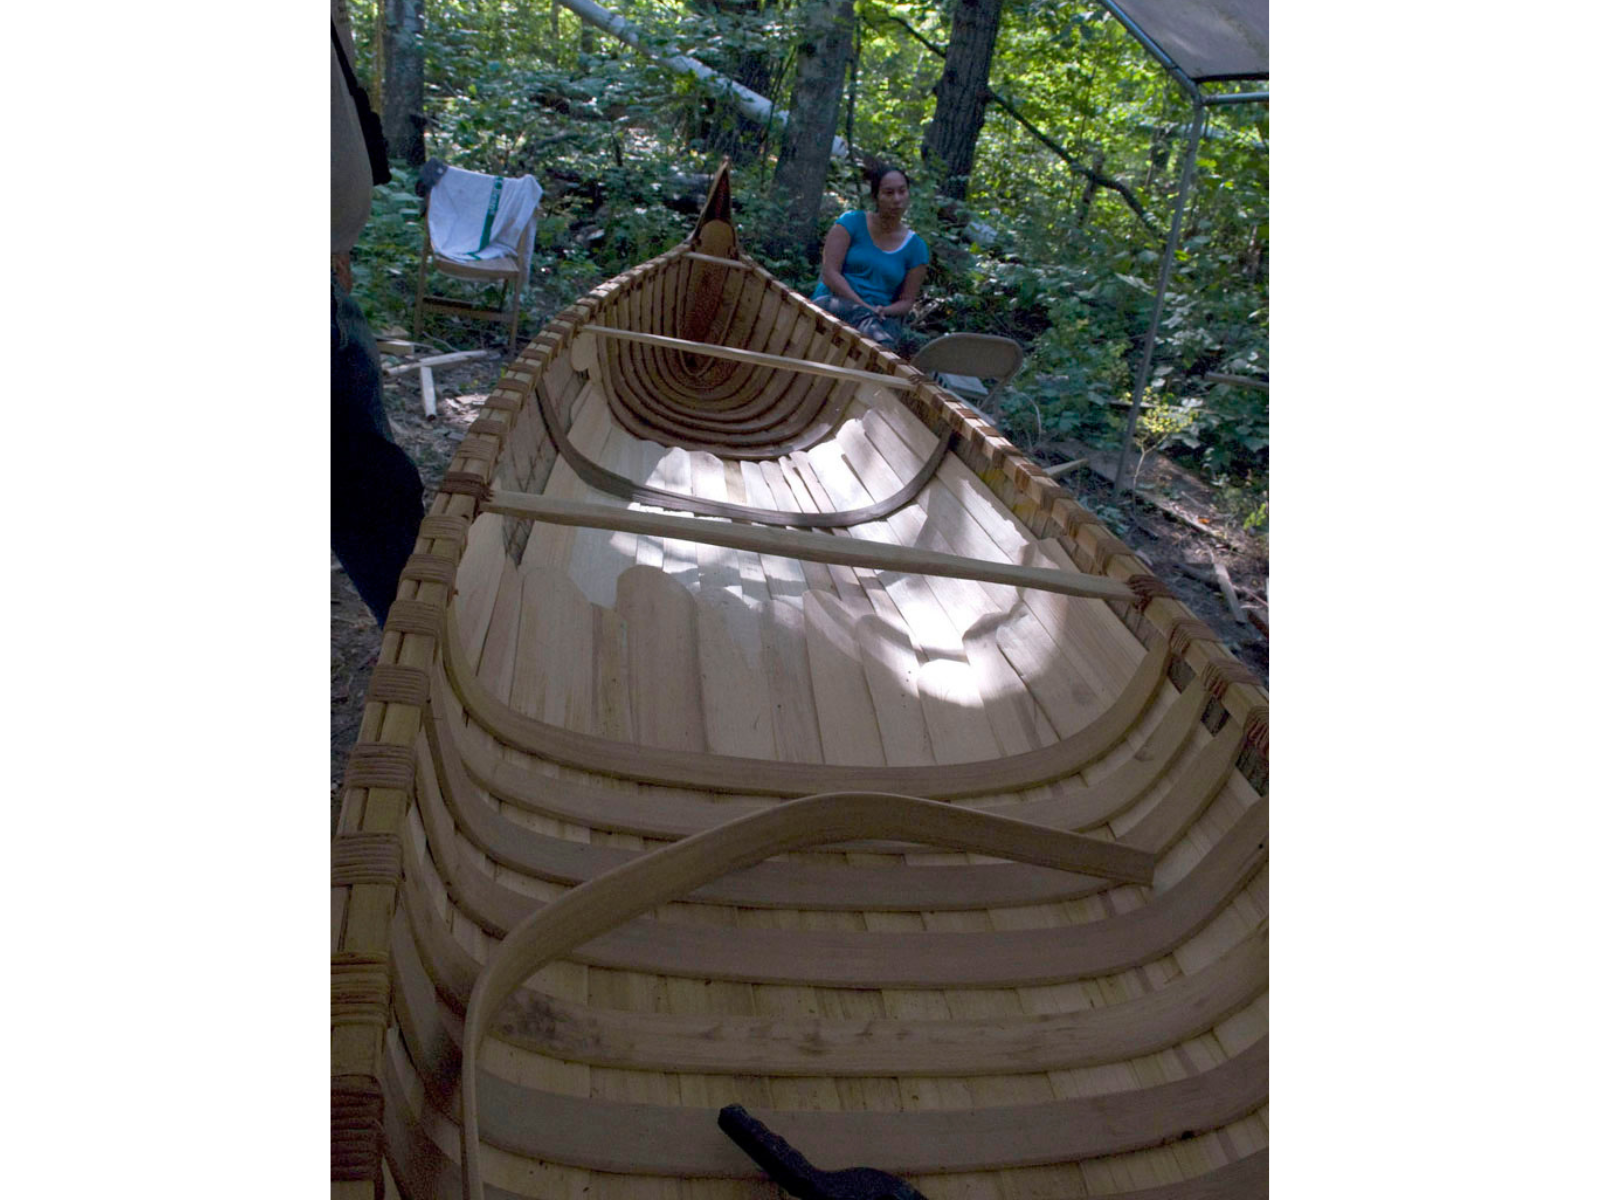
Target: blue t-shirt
{"x": 876, "y": 276}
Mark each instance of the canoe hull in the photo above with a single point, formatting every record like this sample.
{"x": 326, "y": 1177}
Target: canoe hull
{"x": 1035, "y": 958}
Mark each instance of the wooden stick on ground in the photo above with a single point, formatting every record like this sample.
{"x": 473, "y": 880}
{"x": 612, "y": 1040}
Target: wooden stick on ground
{"x": 430, "y": 406}
{"x": 1060, "y": 469}
{"x": 439, "y": 360}
{"x": 1228, "y": 594}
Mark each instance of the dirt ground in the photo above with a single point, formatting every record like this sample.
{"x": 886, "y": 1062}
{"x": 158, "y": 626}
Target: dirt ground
{"x": 1181, "y": 532}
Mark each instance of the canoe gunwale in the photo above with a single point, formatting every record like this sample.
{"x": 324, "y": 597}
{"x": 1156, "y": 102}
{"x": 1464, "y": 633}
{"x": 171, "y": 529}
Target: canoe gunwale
{"x": 367, "y": 897}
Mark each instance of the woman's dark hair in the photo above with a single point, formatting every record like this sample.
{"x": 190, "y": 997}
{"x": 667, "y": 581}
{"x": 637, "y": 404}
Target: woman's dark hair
{"x": 875, "y": 177}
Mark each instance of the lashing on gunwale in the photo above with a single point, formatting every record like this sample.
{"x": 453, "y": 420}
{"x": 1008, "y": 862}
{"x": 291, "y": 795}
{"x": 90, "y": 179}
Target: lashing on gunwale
{"x": 582, "y": 846}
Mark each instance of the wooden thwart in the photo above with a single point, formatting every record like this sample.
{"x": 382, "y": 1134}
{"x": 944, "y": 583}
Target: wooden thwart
{"x": 809, "y": 547}
{"x": 733, "y": 264}
{"x": 755, "y": 357}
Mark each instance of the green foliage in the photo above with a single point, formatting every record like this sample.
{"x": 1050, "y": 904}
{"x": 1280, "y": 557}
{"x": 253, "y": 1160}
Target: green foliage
{"x": 1035, "y": 252}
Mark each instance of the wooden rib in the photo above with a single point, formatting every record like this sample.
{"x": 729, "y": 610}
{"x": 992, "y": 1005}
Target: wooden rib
{"x": 811, "y": 547}
{"x": 786, "y": 440}
{"x": 771, "y": 415}
{"x": 668, "y": 1141}
{"x": 917, "y": 961}
{"x": 1005, "y": 958}
{"x": 727, "y": 773}
{"x": 599, "y": 477}
{"x": 766, "y": 885}
{"x": 557, "y": 929}
{"x": 724, "y": 1044}
{"x": 826, "y": 1045}
{"x": 423, "y": 1169}
{"x": 794, "y": 885}
{"x": 754, "y": 357}
{"x": 670, "y": 818}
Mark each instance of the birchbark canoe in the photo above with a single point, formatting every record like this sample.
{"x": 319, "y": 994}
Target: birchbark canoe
{"x": 756, "y": 725}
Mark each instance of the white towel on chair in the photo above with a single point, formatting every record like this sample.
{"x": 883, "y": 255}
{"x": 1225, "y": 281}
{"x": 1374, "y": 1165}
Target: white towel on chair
{"x": 474, "y": 218}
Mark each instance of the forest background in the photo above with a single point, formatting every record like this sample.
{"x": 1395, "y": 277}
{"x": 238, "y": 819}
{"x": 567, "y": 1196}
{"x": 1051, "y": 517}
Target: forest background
{"x": 1044, "y": 143}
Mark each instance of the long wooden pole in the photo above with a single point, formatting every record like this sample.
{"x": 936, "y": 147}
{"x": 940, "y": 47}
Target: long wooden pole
{"x": 811, "y": 547}
{"x": 756, "y": 357}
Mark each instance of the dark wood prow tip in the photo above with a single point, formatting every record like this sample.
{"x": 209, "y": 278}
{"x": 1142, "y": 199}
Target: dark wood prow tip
{"x": 719, "y": 201}
{"x": 790, "y": 1170}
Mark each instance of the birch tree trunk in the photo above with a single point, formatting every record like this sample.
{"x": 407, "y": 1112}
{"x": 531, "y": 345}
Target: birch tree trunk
{"x": 400, "y": 70}
{"x": 821, "y": 61}
{"x": 951, "y": 139}
{"x": 725, "y": 126}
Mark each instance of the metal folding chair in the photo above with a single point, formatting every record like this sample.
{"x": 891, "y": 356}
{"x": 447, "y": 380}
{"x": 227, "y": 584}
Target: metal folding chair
{"x": 960, "y": 361}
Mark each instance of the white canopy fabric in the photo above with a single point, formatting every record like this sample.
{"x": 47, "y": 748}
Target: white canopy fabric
{"x": 1207, "y": 39}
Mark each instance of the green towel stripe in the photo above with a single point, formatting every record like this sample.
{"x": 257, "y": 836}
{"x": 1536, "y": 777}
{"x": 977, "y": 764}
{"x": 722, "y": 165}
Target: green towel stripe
{"x": 488, "y": 217}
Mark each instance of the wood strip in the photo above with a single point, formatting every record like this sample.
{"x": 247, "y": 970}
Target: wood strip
{"x": 811, "y": 547}
{"x": 770, "y": 885}
{"x": 599, "y": 477}
{"x": 755, "y": 357}
{"x": 725, "y": 1044}
{"x": 574, "y": 919}
{"x": 686, "y": 1142}
{"x": 726, "y": 773}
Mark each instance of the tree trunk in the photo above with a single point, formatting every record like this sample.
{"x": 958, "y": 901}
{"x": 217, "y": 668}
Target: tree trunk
{"x": 400, "y": 69}
{"x": 1086, "y": 201}
{"x": 821, "y": 61}
{"x": 951, "y": 140}
{"x": 725, "y": 128}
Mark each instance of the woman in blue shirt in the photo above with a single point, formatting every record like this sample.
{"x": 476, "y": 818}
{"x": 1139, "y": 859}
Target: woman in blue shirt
{"x": 872, "y": 264}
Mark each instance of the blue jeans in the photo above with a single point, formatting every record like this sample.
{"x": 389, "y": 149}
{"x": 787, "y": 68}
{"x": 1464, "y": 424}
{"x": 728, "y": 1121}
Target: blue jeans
{"x": 376, "y": 499}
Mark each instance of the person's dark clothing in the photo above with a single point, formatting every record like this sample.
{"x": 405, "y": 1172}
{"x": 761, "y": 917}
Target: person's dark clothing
{"x": 376, "y": 491}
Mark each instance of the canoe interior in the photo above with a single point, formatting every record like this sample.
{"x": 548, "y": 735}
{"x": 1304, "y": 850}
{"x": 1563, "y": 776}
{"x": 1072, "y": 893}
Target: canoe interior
{"x": 553, "y": 702}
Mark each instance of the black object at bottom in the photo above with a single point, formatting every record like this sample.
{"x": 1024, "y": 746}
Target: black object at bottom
{"x": 789, "y": 1169}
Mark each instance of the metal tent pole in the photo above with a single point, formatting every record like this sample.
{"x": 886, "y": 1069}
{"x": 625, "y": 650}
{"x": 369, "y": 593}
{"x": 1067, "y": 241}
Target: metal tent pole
{"x": 1170, "y": 253}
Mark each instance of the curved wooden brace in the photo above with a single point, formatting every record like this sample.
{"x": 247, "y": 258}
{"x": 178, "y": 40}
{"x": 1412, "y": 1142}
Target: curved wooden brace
{"x": 672, "y": 817}
{"x": 913, "y": 961}
{"x": 765, "y": 885}
{"x": 663, "y": 875}
{"x": 602, "y": 479}
{"x": 752, "y": 776}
